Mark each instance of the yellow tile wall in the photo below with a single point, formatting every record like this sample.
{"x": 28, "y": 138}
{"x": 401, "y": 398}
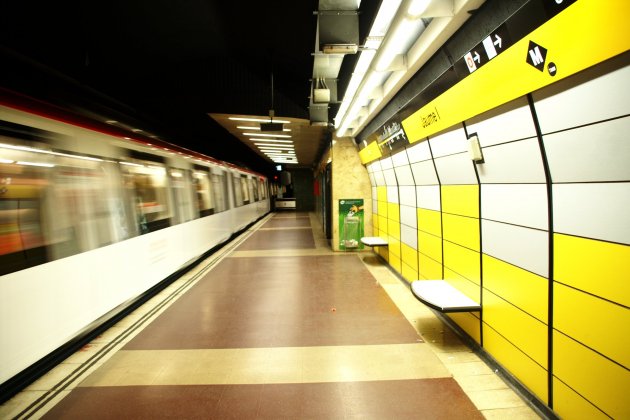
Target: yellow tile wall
{"x": 526, "y": 290}
{"x": 462, "y": 284}
{"x": 597, "y": 323}
{"x": 430, "y": 245}
{"x": 409, "y": 256}
{"x": 428, "y": 268}
{"x": 462, "y": 230}
{"x": 578, "y": 261}
{"x": 528, "y": 372}
{"x": 461, "y": 199}
{"x": 430, "y": 221}
{"x": 463, "y": 261}
{"x": 469, "y": 323}
{"x": 570, "y": 405}
{"x": 410, "y": 274}
{"x": 596, "y": 378}
{"x": 381, "y": 194}
{"x": 522, "y": 330}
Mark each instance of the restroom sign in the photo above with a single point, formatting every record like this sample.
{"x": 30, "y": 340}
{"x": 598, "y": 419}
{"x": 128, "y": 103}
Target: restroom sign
{"x": 536, "y": 55}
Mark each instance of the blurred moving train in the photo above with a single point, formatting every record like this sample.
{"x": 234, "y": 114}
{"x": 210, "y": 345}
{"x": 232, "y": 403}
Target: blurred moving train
{"x": 91, "y": 220}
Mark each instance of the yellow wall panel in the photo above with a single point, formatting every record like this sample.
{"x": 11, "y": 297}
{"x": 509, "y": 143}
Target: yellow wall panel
{"x": 462, "y": 284}
{"x": 381, "y": 194}
{"x": 461, "y": 199}
{"x": 529, "y": 373}
{"x": 410, "y": 274}
{"x": 393, "y": 211}
{"x": 393, "y": 228}
{"x": 394, "y": 261}
{"x": 593, "y": 266}
{"x": 382, "y": 208}
{"x": 430, "y": 221}
{"x": 524, "y": 331}
{"x": 394, "y": 246}
{"x": 598, "y": 324}
{"x": 430, "y": 245}
{"x": 382, "y": 224}
{"x": 461, "y": 230}
{"x": 463, "y": 261}
{"x": 570, "y": 405}
{"x": 468, "y": 323}
{"x": 428, "y": 268}
{"x": 522, "y": 288}
{"x": 604, "y": 383}
{"x": 383, "y": 251}
{"x": 409, "y": 256}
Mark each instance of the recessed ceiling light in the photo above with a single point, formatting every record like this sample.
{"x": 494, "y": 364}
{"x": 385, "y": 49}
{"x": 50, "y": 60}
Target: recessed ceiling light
{"x": 283, "y": 136}
{"x": 263, "y": 120}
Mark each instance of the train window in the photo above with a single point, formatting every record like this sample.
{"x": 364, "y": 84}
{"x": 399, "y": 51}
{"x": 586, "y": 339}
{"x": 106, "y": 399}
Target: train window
{"x": 245, "y": 189}
{"x": 238, "y": 191}
{"x": 254, "y": 187}
{"x": 148, "y": 184}
{"x": 182, "y": 186}
{"x": 263, "y": 189}
{"x": 219, "y": 187}
{"x": 203, "y": 189}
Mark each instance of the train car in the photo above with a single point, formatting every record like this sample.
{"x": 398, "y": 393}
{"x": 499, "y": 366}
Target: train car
{"x": 91, "y": 220}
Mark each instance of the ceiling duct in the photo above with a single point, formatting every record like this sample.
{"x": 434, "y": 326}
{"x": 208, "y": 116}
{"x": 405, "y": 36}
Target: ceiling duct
{"x": 337, "y": 35}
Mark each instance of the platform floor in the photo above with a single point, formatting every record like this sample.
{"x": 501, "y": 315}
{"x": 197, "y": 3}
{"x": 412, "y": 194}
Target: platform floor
{"x": 275, "y": 326}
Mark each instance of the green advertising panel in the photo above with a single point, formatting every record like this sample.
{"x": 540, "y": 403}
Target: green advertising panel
{"x": 350, "y": 224}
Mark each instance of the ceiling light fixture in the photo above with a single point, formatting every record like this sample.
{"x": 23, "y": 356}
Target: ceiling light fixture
{"x": 282, "y": 136}
{"x": 270, "y": 140}
{"x": 262, "y": 120}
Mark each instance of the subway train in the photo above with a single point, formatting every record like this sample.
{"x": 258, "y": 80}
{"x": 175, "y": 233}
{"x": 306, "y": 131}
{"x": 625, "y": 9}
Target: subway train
{"x": 92, "y": 220}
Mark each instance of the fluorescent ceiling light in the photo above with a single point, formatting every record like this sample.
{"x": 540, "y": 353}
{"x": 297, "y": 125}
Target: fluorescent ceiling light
{"x": 273, "y": 144}
{"x": 6, "y": 160}
{"x": 44, "y": 165}
{"x": 262, "y": 120}
{"x": 283, "y": 136}
{"x": 245, "y": 127}
{"x": 417, "y": 7}
{"x": 281, "y": 147}
{"x": 271, "y": 140}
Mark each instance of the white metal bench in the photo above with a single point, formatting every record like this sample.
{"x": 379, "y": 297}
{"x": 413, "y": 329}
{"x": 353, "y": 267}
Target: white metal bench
{"x": 373, "y": 241}
{"x": 441, "y": 296}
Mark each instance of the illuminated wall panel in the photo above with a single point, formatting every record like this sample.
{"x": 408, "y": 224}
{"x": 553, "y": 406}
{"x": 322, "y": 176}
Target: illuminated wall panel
{"x": 490, "y": 126}
{"x": 390, "y": 177}
{"x": 600, "y": 151}
{"x": 419, "y": 152}
{"x": 407, "y": 195}
{"x": 521, "y": 246}
{"x": 424, "y": 173}
{"x": 408, "y": 216}
{"x": 449, "y": 143}
{"x": 588, "y": 209}
{"x": 518, "y": 204}
{"x": 404, "y": 175}
{"x": 512, "y": 163}
{"x": 400, "y": 159}
{"x": 429, "y": 197}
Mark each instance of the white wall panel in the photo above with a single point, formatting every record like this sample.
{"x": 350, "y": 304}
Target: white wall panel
{"x": 386, "y": 163}
{"x": 519, "y": 204}
{"x": 429, "y": 197}
{"x": 392, "y": 194}
{"x": 424, "y": 173}
{"x": 409, "y": 236}
{"x": 521, "y": 246}
{"x": 407, "y": 195}
{"x": 390, "y": 177}
{"x": 375, "y": 166}
{"x": 448, "y": 143}
{"x": 419, "y": 152}
{"x": 512, "y": 163}
{"x": 580, "y": 100}
{"x": 408, "y": 216}
{"x": 375, "y": 206}
{"x": 508, "y": 122}
{"x": 379, "y": 178}
{"x": 400, "y": 158}
{"x": 599, "y": 152}
{"x": 456, "y": 170}
{"x": 599, "y": 211}
{"x": 404, "y": 175}
{"x": 372, "y": 179}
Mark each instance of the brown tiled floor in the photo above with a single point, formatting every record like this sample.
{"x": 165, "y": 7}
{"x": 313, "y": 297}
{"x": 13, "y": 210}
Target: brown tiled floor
{"x": 271, "y": 330}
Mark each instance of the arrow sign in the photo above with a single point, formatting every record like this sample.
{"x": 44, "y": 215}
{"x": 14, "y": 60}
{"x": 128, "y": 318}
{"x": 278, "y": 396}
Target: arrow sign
{"x": 477, "y": 57}
{"x": 497, "y": 40}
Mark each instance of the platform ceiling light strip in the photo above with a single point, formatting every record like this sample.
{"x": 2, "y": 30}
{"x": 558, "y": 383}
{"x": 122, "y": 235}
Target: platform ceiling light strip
{"x": 570, "y": 49}
{"x": 421, "y": 43}
{"x": 244, "y": 127}
{"x": 262, "y": 120}
{"x": 282, "y": 136}
{"x": 254, "y": 139}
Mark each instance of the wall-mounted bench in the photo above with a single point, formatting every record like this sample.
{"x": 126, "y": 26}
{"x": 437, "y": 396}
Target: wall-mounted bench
{"x": 373, "y": 241}
{"x": 441, "y": 296}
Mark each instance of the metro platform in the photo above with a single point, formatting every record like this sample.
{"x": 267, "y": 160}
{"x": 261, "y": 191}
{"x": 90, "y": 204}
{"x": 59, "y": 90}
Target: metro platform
{"x": 276, "y": 325}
